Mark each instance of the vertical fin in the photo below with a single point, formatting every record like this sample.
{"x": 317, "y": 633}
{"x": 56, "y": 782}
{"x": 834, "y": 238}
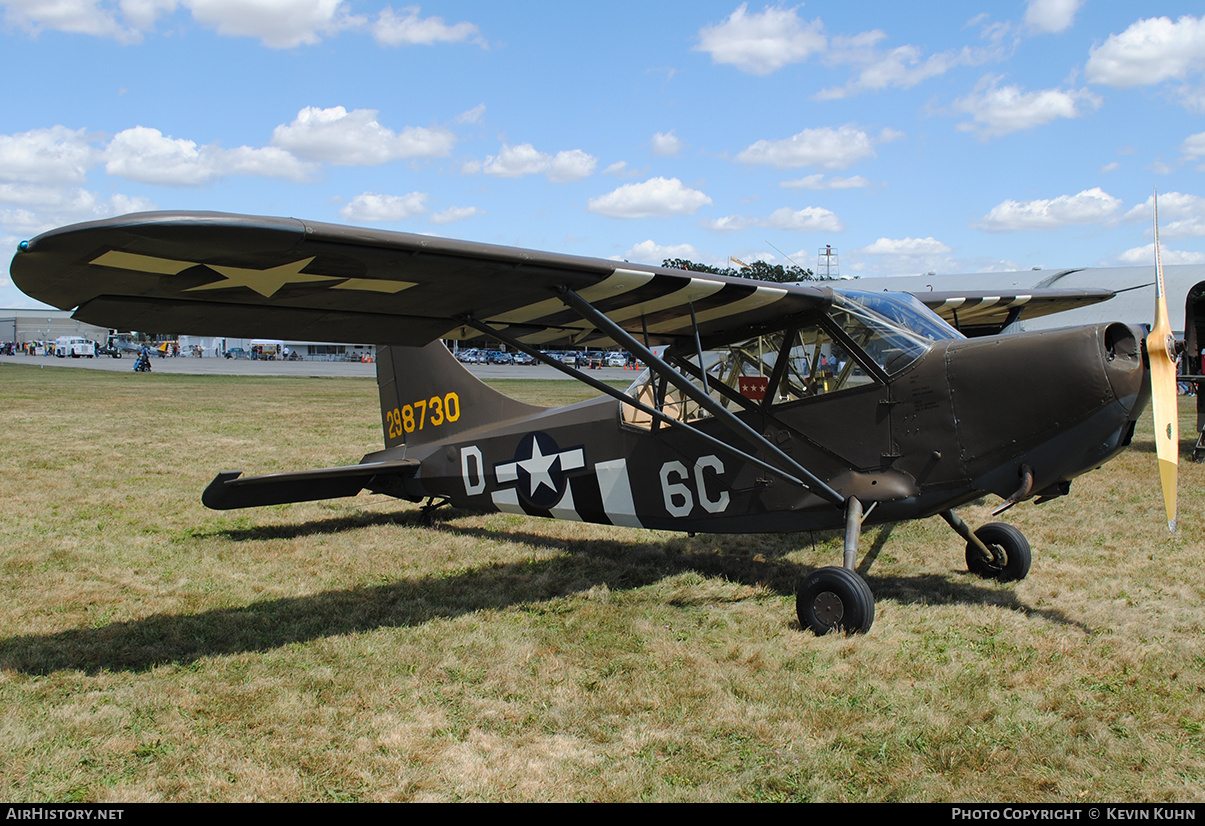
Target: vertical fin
{"x": 427, "y": 395}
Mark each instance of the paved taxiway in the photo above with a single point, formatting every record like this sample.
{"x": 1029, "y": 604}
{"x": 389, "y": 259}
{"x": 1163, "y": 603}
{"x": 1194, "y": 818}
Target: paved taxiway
{"x": 247, "y": 367}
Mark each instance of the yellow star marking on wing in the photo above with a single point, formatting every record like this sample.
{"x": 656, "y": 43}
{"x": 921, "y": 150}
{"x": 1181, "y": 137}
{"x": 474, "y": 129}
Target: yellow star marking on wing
{"x": 265, "y": 282}
{"x": 141, "y": 263}
{"x": 373, "y": 285}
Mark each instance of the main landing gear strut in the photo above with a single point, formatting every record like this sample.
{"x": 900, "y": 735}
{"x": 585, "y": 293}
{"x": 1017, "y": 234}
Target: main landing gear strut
{"x": 837, "y": 598}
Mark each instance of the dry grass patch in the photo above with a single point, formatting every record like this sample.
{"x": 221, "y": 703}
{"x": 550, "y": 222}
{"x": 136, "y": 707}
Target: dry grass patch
{"x": 154, "y": 650}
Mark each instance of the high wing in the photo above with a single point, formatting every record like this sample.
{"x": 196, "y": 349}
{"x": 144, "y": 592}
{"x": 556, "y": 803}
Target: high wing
{"x": 246, "y": 276}
{"x": 980, "y": 313}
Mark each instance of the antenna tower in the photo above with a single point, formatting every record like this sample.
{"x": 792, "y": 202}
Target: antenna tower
{"x": 827, "y": 264}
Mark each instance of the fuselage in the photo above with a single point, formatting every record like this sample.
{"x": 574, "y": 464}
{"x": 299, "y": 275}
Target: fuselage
{"x": 963, "y": 418}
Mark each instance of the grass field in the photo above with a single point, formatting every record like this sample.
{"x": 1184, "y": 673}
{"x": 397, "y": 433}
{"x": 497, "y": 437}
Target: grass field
{"x": 153, "y": 650}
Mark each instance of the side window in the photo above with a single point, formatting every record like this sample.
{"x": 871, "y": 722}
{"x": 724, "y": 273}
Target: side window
{"x": 816, "y": 364}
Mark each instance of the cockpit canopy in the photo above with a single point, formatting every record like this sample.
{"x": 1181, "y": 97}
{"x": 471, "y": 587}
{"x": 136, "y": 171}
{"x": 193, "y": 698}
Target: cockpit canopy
{"x": 861, "y": 338}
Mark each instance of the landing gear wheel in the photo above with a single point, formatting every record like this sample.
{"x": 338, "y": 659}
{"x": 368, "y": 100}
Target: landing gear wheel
{"x": 1011, "y": 556}
{"x": 831, "y": 598}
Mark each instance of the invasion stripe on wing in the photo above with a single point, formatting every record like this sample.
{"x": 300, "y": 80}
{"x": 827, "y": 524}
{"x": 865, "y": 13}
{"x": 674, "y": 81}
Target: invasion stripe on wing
{"x": 759, "y": 298}
{"x": 620, "y": 281}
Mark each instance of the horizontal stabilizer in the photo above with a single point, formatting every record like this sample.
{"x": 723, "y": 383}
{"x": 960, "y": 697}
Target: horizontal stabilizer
{"x": 230, "y": 489}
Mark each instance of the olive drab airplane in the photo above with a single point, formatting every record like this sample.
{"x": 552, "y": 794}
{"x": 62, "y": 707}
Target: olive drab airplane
{"x": 764, "y": 408}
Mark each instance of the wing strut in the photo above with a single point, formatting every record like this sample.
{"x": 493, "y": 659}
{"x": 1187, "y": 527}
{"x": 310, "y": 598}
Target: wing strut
{"x": 607, "y": 389}
{"x": 663, "y": 370}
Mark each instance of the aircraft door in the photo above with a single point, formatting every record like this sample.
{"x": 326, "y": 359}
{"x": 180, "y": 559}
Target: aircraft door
{"x": 853, "y": 427}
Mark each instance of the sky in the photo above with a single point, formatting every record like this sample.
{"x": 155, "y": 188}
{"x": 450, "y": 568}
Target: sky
{"x": 971, "y": 137}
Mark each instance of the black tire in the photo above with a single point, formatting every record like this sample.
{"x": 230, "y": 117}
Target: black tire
{"x": 834, "y": 598}
{"x": 1010, "y": 550}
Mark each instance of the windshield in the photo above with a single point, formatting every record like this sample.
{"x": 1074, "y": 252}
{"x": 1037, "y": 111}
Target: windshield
{"x": 892, "y": 329}
{"x": 907, "y": 311}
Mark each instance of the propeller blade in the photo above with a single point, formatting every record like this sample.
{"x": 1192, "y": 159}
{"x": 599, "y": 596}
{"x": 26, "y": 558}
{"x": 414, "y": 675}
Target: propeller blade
{"x": 1161, "y": 352}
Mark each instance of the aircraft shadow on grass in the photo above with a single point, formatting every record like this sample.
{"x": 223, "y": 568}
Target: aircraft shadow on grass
{"x": 162, "y": 639}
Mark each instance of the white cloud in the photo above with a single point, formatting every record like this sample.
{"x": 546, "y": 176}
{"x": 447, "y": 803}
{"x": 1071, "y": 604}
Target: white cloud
{"x": 1087, "y": 207}
{"x": 39, "y": 208}
{"x": 148, "y": 156}
{"x": 1193, "y": 147}
{"x": 370, "y": 207}
{"x": 451, "y": 214}
{"x": 650, "y": 252}
{"x": 666, "y": 144}
{"x": 56, "y": 155}
{"x": 619, "y": 168}
{"x": 408, "y": 29}
{"x": 761, "y": 43}
{"x": 513, "y": 162}
{"x": 1146, "y": 255}
{"x": 473, "y": 115}
{"x": 818, "y": 181}
{"x": 902, "y": 67}
{"x": 825, "y": 147}
{"x": 1149, "y": 51}
{"x": 730, "y": 223}
{"x": 571, "y": 165}
{"x": 1051, "y": 16}
{"x": 144, "y": 13}
{"x": 906, "y": 246}
{"x": 656, "y": 197}
{"x": 89, "y": 17}
{"x": 808, "y": 219}
{"x": 356, "y": 138}
{"x": 998, "y": 110}
{"x": 278, "y": 24}
{"x": 1180, "y": 215}
{"x": 525, "y": 159}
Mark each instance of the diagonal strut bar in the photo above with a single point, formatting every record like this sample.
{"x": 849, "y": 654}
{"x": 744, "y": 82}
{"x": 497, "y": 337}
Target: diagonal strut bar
{"x": 674, "y": 377}
{"x": 603, "y": 387}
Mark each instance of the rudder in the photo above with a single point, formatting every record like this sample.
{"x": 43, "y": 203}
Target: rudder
{"x": 426, "y": 395}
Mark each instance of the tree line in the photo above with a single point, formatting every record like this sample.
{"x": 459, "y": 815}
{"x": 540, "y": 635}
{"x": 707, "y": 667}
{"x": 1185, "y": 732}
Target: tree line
{"x": 758, "y": 271}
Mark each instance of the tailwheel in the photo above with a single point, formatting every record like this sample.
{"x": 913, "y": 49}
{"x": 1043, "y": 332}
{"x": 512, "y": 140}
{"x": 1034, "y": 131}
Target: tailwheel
{"x": 426, "y": 516}
{"x": 1011, "y": 556}
{"x": 834, "y": 598}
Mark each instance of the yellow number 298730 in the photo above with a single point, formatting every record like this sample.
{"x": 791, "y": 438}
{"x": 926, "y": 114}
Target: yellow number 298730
{"x": 420, "y": 414}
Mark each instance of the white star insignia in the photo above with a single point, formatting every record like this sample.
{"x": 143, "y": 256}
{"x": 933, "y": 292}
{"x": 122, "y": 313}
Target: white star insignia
{"x": 539, "y": 468}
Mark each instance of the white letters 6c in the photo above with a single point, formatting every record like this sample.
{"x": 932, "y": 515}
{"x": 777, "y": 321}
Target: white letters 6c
{"x": 679, "y": 499}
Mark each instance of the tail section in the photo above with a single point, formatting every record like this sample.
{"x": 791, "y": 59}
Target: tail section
{"x": 427, "y": 395}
